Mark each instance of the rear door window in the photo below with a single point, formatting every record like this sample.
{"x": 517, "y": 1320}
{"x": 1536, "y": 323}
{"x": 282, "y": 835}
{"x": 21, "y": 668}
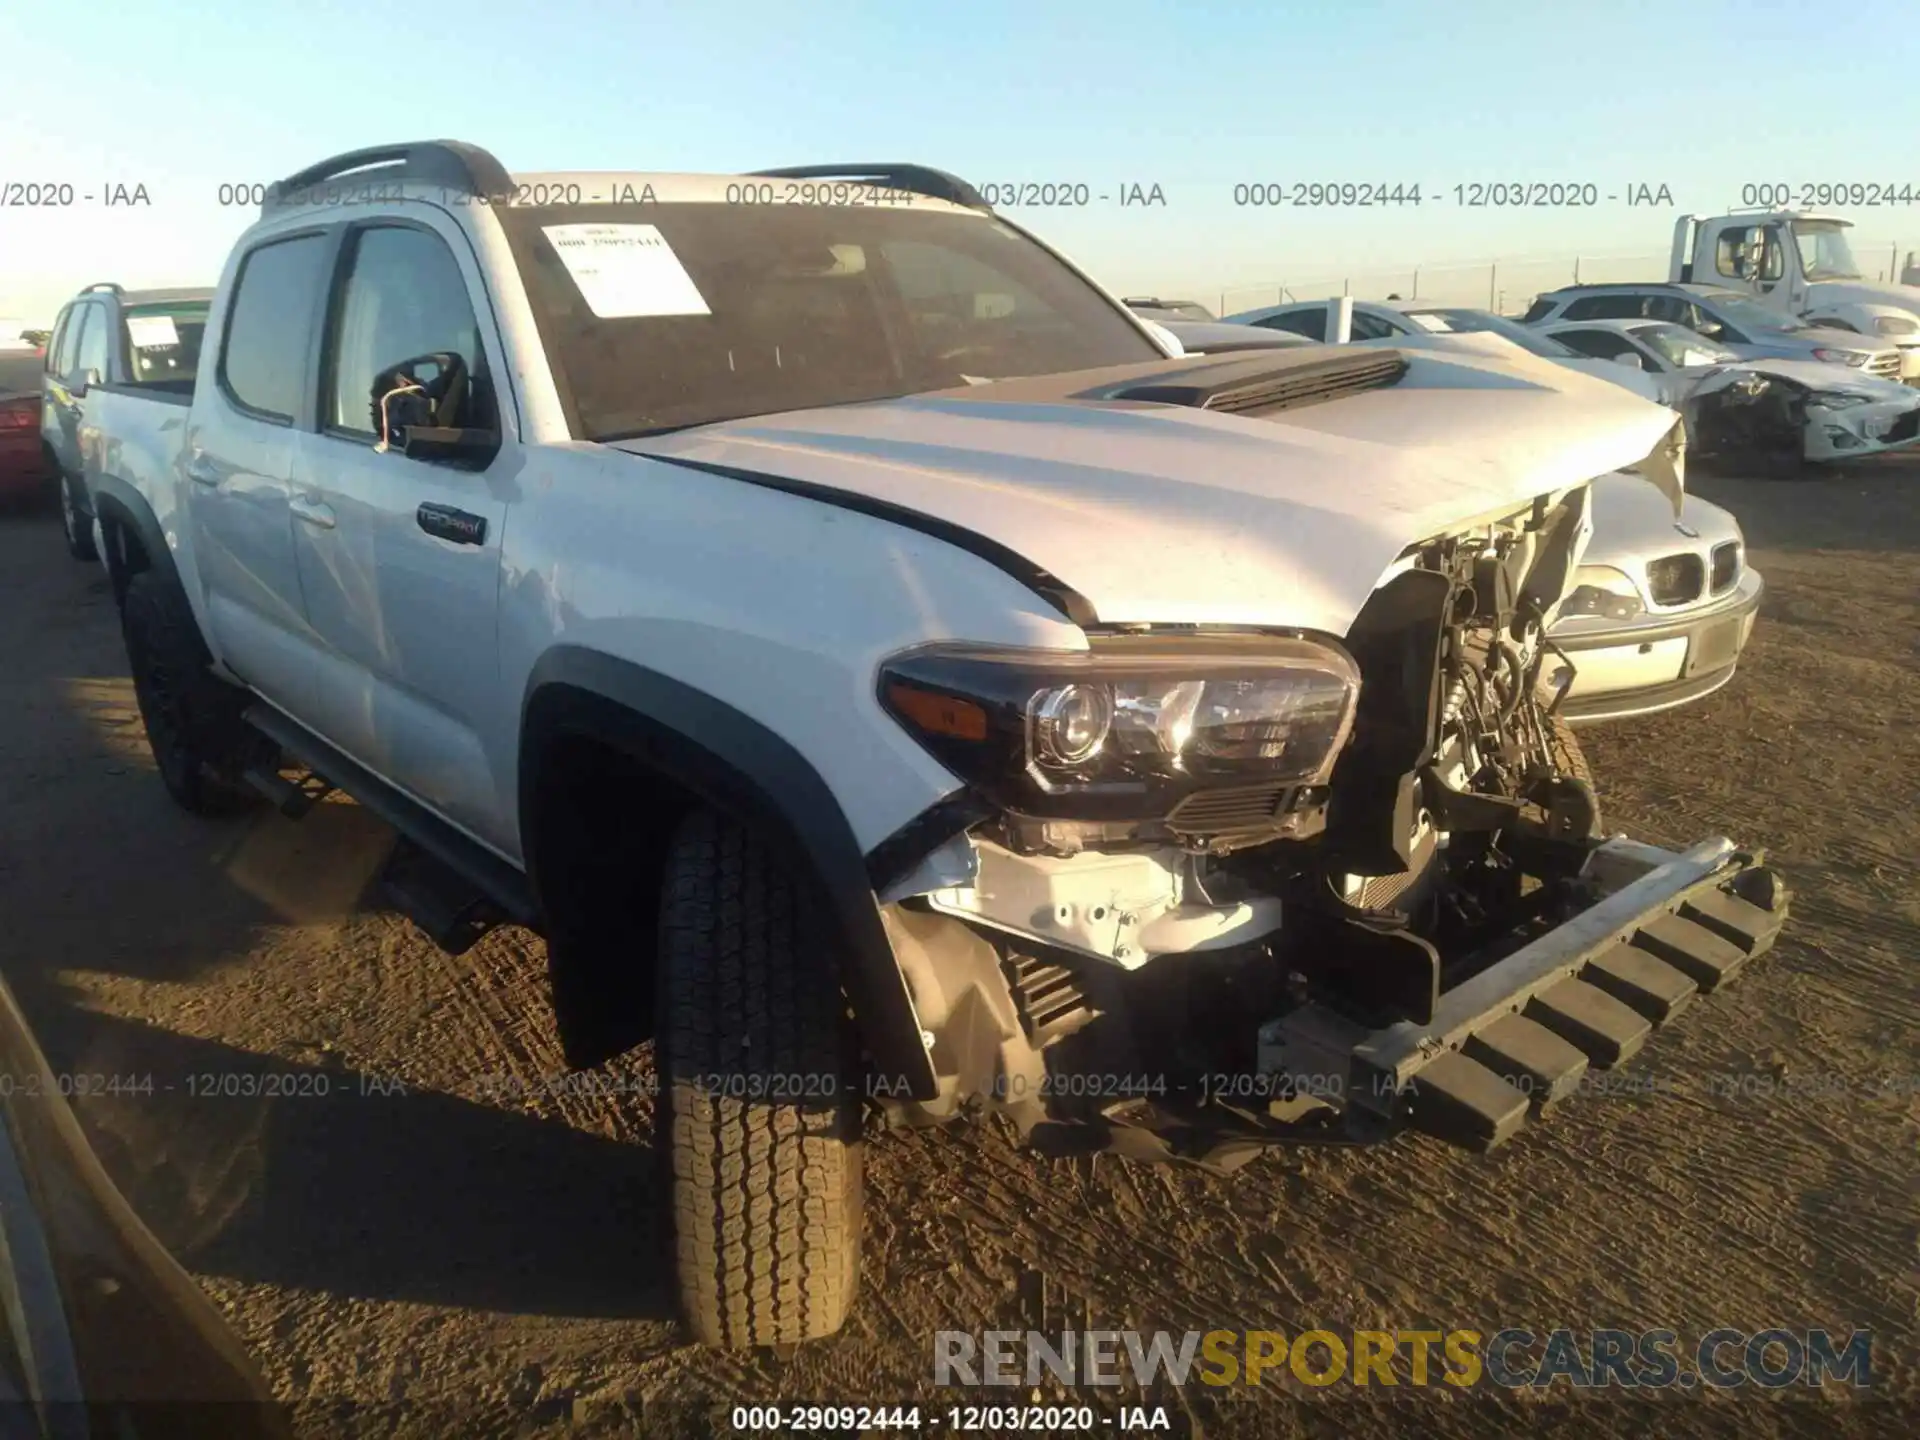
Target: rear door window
{"x": 269, "y": 330}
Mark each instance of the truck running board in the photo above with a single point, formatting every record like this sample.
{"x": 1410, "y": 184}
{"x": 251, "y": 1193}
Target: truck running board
{"x": 450, "y": 911}
{"x": 1518, "y": 1038}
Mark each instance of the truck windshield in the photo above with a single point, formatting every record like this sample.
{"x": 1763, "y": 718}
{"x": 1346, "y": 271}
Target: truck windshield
{"x": 1824, "y": 252}
{"x": 686, "y": 314}
{"x": 163, "y": 342}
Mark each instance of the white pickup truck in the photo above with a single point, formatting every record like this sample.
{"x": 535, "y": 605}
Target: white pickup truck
{"x": 1799, "y": 263}
{"x": 894, "y": 682}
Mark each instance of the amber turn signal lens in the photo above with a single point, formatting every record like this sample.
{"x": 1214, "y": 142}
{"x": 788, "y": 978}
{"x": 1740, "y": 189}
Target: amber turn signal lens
{"x": 938, "y": 714}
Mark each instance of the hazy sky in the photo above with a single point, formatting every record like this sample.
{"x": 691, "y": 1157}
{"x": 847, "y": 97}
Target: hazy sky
{"x": 1195, "y": 97}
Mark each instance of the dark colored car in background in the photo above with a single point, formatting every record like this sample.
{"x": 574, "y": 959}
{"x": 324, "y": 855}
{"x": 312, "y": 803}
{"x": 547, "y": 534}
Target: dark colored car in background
{"x": 23, "y": 471}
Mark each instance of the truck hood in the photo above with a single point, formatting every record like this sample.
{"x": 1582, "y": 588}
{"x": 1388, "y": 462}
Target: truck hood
{"x": 1165, "y": 513}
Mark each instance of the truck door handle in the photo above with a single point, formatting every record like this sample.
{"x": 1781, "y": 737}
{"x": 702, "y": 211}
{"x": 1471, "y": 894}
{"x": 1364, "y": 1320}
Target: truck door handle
{"x": 312, "y": 511}
{"x": 451, "y": 524}
{"x": 199, "y": 470}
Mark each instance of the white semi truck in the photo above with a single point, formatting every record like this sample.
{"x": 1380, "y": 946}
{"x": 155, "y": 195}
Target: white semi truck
{"x": 1801, "y": 263}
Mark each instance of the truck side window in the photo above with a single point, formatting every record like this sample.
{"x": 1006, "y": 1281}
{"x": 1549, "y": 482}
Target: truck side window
{"x": 403, "y": 297}
{"x": 91, "y": 351}
{"x": 1726, "y": 253}
{"x": 263, "y": 357}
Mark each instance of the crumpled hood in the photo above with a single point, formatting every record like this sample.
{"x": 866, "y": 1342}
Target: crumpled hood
{"x": 1167, "y": 514}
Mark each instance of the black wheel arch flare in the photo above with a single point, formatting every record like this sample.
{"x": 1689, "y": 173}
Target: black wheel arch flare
{"x": 737, "y": 765}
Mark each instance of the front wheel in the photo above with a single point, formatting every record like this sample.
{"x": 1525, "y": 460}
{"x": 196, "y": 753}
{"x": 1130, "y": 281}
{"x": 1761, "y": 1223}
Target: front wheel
{"x": 760, "y": 1125}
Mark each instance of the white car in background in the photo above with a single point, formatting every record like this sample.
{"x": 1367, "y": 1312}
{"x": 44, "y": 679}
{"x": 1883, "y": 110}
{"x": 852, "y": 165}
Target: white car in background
{"x": 1389, "y": 320}
{"x": 1775, "y": 413}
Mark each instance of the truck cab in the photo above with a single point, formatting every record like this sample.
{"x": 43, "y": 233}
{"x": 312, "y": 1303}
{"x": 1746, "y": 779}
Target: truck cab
{"x": 1803, "y": 264}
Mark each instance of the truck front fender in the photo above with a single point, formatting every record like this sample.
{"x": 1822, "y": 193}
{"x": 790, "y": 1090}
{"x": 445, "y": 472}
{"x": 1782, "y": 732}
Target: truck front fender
{"x": 723, "y": 758}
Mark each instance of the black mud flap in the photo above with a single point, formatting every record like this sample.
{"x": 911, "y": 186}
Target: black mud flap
{"x": 1516, "y": 1039}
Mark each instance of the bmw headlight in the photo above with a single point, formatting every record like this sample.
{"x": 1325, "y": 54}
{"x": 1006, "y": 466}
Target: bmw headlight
{"x": 1604, "y": 591}
{"x": 1130, "y": 721}
{"x": 1836, "y": 399}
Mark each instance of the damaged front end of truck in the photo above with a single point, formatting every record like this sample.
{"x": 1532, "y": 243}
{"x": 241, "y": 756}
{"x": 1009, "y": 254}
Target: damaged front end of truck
{"x": 1231, "y": 887}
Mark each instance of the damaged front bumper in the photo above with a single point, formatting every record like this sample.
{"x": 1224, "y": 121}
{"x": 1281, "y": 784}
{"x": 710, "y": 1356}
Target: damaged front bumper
{"x": 1505, "y": 1045}
{"x": 1519, "y": 1037}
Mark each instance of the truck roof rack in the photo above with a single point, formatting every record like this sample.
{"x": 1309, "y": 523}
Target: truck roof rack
{"x": 920, "y": 179}
{"x": 450, "y": 163}
{"x": 103, "y": 285}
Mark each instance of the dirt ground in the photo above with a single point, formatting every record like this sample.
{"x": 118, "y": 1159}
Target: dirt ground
{"x": 448, "y": 1241}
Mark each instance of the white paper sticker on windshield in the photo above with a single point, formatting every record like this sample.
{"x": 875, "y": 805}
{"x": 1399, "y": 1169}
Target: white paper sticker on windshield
{"x": 626, "y": 270}
{"x": 1435, "y": 323}
{"x": 151, "y": 332}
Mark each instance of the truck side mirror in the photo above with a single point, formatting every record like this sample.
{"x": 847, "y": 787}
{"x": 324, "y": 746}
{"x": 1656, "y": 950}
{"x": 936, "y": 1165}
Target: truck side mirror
{"x": 422, "y": 407}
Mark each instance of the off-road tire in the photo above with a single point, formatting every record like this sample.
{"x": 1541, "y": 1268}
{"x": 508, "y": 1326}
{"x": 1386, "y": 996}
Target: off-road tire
{"x": 760, "y": 1119}
{"x": 1568, "y": 758}
{"x": 76, "y": 529}
{"x": 193, "y": 718}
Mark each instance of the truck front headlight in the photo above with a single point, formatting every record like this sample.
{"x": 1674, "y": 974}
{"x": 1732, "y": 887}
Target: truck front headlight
{"x": 1129, "y": 722}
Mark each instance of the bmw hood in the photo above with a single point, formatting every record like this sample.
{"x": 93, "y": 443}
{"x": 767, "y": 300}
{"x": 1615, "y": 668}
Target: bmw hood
{"x": 1272, "y": 489}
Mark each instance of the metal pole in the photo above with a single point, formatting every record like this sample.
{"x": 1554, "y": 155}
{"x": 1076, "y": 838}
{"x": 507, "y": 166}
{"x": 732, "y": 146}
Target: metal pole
{"x": 1576, "y": 269}
{"x": 1493, "y": 271}
{"x": 1416, "y": 282}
